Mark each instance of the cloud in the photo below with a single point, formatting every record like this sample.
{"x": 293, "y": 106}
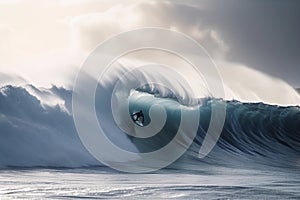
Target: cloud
{"x": 59, "y": 68}
{"x": 90, "y": 29}
{"x": 203, "y": 22}
{"x": 73, "y": 2}
{"x": 260, "y": 34}
{"x": 9, "y": 2}
{"x": 6, "y": 38}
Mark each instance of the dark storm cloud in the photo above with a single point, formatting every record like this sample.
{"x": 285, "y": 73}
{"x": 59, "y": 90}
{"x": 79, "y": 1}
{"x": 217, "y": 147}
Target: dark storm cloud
{"x": 262, "y": 34}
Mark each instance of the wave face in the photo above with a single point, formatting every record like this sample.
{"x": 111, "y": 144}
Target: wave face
{"x": 37, "y": 130}
{"x": 34, "y": 133}
{"x": 254, "y": 133}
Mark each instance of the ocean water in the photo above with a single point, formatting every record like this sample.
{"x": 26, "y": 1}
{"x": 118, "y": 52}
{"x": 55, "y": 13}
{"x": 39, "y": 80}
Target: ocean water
{"x": 103, "y": 183}
{"x": 257, "y": 155}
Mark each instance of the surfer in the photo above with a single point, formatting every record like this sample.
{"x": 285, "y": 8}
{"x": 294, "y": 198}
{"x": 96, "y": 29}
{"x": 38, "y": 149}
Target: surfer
{"x": 138, "y": 118}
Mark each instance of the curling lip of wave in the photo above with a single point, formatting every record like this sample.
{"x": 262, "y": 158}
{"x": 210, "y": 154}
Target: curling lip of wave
{"x": 32, "y": 134}
{"x": 249, "y": 86}
{"x": 156, "y": 90}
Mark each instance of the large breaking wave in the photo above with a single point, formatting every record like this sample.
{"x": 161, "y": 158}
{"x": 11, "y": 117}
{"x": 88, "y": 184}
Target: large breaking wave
{"x": 37, "y": 130}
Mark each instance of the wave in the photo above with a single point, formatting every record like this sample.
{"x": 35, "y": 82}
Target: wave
{"x": 38, "y": 131}
{"x": 33, "y": 133}
{"x": 254, "y": 134}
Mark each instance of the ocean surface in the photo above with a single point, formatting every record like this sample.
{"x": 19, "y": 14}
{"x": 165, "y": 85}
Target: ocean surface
{"x": 102, "y": 183}
{"x": 41, "y": 155}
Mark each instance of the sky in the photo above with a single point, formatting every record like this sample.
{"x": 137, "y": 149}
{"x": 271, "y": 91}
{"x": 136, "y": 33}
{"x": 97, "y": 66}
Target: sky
{"x": 46, "y": 41}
